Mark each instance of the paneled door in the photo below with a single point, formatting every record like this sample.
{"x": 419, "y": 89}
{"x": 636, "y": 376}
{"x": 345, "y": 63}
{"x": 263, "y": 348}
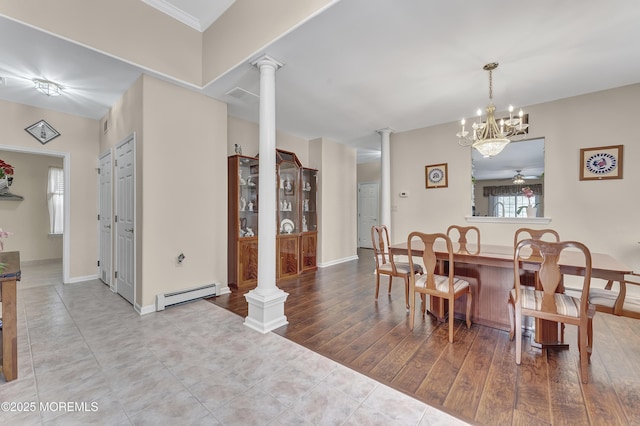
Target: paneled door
{"x": 125, "y": 219}
{"x": 104, "y": 220}
{"x": 368, "y": 207}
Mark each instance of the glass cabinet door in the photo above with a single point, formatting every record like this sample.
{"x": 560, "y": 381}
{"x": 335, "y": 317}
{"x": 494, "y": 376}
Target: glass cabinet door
{"x": 288, "y": 196}
{"x": 248, "y": 181}
{"x": 309, "y": 186}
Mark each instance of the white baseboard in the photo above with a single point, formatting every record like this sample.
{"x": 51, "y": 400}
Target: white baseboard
{"x": 337, "y": 261}
{"x": 144, "y": 310}
{"x": 81, "y": 279}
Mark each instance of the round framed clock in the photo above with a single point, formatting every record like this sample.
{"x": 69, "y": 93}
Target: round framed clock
{"x": 437, "y": 176}
{"x": 601, "y": 163}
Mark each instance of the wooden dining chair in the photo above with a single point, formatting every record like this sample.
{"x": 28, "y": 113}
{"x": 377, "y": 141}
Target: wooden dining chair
{"x": 434, "y": 282}
{"x": 528, "y": 277}
{"x": 463, "y": 241}
{"x": 386, "y": 264}
{"x": 549, "y": 304}
{"x": 618, "y": 302}
{"x": 535, "y": 234}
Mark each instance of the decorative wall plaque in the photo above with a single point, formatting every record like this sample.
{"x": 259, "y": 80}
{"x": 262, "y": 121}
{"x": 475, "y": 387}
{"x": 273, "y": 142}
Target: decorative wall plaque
{"x": 42, "y": 131}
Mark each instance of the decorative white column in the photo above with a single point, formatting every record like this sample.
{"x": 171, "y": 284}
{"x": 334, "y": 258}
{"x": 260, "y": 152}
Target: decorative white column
{"x": 385, "y": 184}
{"x": 266, "y": 301}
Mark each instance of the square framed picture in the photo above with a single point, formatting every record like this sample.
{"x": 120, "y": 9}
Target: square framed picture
{"x": 604, "y": 162}
{"x": 436, "y": 176}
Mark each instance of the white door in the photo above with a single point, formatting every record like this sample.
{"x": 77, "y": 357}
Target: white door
{"x": 104, "y": 220}
{"x": 125, "y": 219}
{"x": 368, "y": 207}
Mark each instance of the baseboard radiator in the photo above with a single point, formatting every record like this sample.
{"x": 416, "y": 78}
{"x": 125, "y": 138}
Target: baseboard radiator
{"x": 169, "y": 299}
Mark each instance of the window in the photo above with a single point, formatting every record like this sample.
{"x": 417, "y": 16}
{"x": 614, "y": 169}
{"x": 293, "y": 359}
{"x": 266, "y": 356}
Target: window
{"x": 55, "y": 200}
{"x": 508, "y": 205}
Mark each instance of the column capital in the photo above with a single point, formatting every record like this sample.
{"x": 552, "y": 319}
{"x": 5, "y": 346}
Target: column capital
{"x": 385, "y": 131}
{"x": 267, "y": 60}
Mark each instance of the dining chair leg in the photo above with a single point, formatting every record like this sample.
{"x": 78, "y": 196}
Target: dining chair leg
{"x": 451, "y": 317}
{"x": 377, "y": 284}
{"x": 590, "y": 337}
{"x": 412, "y": 309}
{"x": 584, "y": 356}
{"x": 469, "y": 299}
{"x": 512, "y": 325}
{"x": 390, "y": 281}
{"x": 406, "y": 291}
{"x": 518, "y": 318}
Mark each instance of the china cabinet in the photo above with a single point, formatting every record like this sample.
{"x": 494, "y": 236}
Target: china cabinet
{"x": 297, "y": 222}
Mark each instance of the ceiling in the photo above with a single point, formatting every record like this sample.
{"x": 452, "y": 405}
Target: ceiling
{"x": 364, "y": 65}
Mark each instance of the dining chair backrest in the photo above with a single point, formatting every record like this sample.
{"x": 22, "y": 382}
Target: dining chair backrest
{"x": 429, "y": 258}
{"x": 462, "y": 231}
{"x": 380, "y": 241}
{"x": 549, "y": 274}
{"x": 537, "y": 235}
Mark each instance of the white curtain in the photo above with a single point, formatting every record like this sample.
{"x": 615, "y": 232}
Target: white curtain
{"x": 55, "y": 200}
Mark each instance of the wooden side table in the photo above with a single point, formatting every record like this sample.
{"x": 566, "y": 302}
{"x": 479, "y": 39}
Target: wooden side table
{"x": 8, "y": 280}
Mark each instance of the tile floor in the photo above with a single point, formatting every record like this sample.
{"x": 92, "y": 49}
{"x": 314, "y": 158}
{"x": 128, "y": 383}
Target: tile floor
{"x": 86, "y": 357}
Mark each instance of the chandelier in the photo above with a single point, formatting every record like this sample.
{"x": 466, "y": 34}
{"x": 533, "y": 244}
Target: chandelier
{"x": 489, "y": 137}
{"x": 518, "y": 179}
{"x": 47, "y": 87}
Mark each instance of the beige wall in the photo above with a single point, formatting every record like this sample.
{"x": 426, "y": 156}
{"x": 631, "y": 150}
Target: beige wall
{"x": 28, "y": 219}
{"x": 337, "y": 204}
{"x": 182, "y": 185}
{"x": 79, "y": 139}
{"x": 602, "y": 214}
{"x": 369, "y": 172}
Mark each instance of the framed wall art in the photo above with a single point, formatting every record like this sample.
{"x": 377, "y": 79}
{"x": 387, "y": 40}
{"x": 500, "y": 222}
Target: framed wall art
{"x": 436, "y": 175}
{"x": 604, "y": 162}
{"x": 42, "y": 131}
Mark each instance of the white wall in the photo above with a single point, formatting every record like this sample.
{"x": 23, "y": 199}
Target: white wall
{"x": 602, "y": 214}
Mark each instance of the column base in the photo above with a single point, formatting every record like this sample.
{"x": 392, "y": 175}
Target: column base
{"x": 266, "y": 311}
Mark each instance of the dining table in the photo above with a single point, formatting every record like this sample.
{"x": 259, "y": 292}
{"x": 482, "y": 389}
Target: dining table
{"x": 492, "y": 266}
{"x": 9, "y": 276}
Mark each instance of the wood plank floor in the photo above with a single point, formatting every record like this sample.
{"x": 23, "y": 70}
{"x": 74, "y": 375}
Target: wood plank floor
{"x": 333, "y": 312}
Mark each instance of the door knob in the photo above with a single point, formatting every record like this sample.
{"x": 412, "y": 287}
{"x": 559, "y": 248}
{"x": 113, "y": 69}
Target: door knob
{"x": 129, "y": 230}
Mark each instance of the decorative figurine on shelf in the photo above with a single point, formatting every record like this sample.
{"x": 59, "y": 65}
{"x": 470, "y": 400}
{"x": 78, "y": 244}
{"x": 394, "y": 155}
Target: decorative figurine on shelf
{"x": 250, "y": 206}
{"x": 250, "y": 182}
{"x": 242, "y": 181}
{"x": 305, "y": 205}
{"x": 307, "y": 186}
{"x": 243, "y": 203}
{"x": 249, "y": 233}
{"x": 304, "y": 224}
{"x": 238, "y": 149}
{"x": 288, "y": 206}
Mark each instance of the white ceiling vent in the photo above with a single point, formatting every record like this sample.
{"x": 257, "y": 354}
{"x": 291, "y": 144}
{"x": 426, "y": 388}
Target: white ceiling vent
{"x": 242, "y": 94}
